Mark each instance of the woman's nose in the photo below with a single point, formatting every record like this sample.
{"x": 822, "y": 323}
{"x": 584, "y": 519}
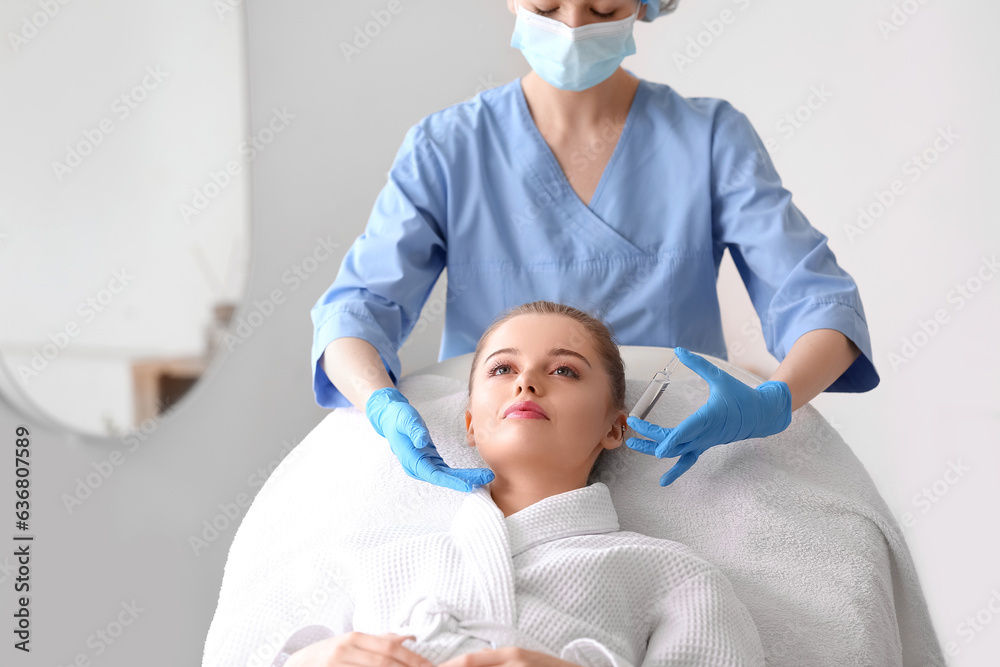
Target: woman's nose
{"x": 527, "y": 381}
{"x": 572, "y": 15}
{"x": 526, "y": 385}
{"x": 575, "y": 17}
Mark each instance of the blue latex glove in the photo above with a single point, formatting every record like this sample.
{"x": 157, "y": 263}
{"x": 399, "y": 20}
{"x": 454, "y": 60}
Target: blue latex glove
{"x": 733, "y": 412}
{"x": 399, "y": 422}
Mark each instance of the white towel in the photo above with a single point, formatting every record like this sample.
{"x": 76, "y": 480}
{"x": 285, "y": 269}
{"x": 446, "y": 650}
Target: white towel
{"x": 793, "y": 521}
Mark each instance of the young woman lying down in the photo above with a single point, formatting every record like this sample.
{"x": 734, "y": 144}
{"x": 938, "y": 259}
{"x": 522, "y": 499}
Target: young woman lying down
{"x": 534, "y": 571}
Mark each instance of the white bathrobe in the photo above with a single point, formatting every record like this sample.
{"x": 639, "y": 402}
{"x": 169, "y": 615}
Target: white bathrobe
{"x": 557, "y": 577}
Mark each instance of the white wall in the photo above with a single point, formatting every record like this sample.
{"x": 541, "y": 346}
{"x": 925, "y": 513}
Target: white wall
{"x": 115, "y": 114}
{"x": 889, "y": 97}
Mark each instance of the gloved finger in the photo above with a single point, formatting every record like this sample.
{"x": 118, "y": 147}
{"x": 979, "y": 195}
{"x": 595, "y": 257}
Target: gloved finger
{"x": 403, "y": 448}
{"x": 433, "y": 469}
{"x": 440, "y": 478}
{"x": 703, "y": 367}
{"x": 417, "y": 463}
{"x": 685, "y": 432}
{"x": 683, "y": 464}
{"x": 699, "y": 444}
{"x": 417, "y": 431}
{"x": 647, "y": 429}
{"x": 478, "y": 476}
{"x": 644, "y": 446}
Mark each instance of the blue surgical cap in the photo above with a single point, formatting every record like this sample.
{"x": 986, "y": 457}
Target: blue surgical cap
{"x": 655, "y": 8}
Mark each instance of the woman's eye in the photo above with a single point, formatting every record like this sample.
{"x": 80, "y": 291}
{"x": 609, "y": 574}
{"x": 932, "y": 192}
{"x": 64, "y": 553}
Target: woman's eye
{"x": 546, "y": 12}
{"x": 497, "y": 368}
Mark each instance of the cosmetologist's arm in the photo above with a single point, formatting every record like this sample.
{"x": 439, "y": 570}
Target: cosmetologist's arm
{"x": 816, "y": 359}
{"x": 355, "y": 368}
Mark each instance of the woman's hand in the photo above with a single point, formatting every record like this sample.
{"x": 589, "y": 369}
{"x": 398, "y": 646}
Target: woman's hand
{"x": 358, "y": 649}
{"x": 733, "y": 412}
{"x": 508, "y": 656}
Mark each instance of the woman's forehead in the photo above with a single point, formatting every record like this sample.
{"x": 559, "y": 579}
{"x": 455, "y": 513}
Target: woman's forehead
{"x": 580, "y": 3}
{"x": 540, "y": 331}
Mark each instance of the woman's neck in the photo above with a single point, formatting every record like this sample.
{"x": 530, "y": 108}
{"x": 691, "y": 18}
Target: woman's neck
{"x": 513, "y": 495}
{"x": 572, "y": 113}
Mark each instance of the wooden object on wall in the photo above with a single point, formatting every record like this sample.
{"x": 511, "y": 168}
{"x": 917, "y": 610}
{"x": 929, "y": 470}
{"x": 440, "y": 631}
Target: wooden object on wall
{"x": 160, "y": 383}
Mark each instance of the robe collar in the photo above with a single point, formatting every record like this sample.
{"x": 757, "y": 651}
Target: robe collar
{"x": 584, "y": 511}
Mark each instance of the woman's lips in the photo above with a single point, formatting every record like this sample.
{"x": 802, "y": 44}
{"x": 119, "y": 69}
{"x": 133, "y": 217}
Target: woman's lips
{"x": 525, "y": 410}
{"x": 525, "y": 414}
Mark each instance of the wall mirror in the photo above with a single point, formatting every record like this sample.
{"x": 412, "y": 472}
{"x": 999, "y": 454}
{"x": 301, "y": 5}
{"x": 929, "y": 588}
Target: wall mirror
{"x": 124, "y": 215}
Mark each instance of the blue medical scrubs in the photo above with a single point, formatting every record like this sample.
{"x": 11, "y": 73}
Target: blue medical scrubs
{"x": 475, "y": 189}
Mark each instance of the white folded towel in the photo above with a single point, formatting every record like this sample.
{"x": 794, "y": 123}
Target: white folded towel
{"x": 793, "y": 520}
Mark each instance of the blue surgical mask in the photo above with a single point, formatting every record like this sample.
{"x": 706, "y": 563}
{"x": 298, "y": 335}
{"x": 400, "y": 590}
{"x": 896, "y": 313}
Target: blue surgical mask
{"x": 573, "y": 58}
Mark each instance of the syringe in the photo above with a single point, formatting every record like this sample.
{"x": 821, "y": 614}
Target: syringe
{"x": 653, "y": 390}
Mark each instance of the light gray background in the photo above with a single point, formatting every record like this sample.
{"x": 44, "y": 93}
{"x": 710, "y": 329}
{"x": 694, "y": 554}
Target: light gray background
{"x": 130, "y": 540}
{"x": 156, "y": 110}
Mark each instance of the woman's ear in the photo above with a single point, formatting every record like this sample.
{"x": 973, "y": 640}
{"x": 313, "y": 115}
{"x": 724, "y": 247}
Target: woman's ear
{"x": 470, "y": 438}
{"x": 616, "y": 434}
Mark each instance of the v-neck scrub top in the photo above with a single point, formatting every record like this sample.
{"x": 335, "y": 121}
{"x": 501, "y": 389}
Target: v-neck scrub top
{"x": 475, "y": 188}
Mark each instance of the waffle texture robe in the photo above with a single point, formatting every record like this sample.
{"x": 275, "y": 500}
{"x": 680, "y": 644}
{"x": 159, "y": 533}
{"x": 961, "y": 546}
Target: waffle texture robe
{"x": 557, "y": 577}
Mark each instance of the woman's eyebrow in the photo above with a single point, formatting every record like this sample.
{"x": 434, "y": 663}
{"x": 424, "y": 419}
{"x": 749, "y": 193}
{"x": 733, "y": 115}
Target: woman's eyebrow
{"x": 554, "y": 352}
